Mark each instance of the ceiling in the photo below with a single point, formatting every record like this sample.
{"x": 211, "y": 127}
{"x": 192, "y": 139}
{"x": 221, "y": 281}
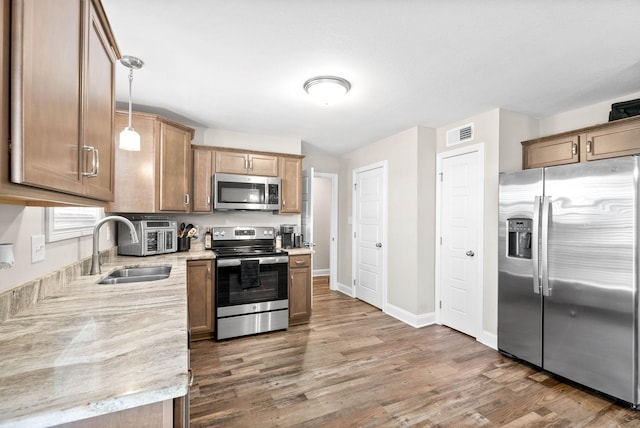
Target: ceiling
{"x": 240, "y": 65}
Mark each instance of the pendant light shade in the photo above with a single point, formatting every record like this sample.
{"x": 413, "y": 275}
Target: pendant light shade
{"x": 327, "y": 90}
{"x": 129, "y": 138}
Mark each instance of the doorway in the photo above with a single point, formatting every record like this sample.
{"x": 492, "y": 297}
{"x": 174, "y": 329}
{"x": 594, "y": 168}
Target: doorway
{"x": 320, "y": 221}
{"x": 369, "y": 234}
{"x": 460, "y": 243}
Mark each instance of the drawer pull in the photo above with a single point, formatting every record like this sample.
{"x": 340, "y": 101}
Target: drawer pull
{"x": 299, "y": 262}
{"x": 589, "y": 143}
{"x": 574, "y": 149}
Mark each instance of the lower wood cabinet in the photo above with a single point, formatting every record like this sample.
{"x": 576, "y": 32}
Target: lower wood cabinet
{"x": 200, "y": 283}
{"x": 299, "y": 289}
{"x": 161, "y": 414}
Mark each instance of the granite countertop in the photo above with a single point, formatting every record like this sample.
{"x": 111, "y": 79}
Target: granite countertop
{"x": 93, "y": 349}
{"x": 298, "y": 251}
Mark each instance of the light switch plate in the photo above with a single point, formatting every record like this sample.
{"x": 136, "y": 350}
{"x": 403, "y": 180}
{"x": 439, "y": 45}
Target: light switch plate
{"x": 37, "y": 248}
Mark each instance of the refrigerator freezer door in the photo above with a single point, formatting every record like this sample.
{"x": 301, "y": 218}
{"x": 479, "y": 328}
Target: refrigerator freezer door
{"x": 519, "y": 305}
{"x": 589, "y": 315}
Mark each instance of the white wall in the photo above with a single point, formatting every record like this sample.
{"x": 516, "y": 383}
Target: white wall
{"x": 590, "y": 115}
{"x": 321, "y": 222}
{"x": 242, "y": 140}
{"x": 403, "y": 157}
{"x": 18, "y": 224}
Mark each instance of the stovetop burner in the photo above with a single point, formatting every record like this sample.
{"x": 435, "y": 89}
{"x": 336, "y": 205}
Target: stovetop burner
{"x": 246, "y": 251}
{"x": 240, "y": 242}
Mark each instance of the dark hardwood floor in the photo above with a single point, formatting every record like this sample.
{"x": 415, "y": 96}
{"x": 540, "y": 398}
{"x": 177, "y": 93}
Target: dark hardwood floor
{"x": 354, "y": 366}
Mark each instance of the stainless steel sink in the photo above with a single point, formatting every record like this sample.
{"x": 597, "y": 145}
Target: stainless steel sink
{"x": 136, "y": 274}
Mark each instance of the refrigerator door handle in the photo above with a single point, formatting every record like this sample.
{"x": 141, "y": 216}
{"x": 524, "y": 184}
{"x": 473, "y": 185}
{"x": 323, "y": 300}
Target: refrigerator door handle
{"x": 544, "y": 259}
{"x": 535, "y": 263}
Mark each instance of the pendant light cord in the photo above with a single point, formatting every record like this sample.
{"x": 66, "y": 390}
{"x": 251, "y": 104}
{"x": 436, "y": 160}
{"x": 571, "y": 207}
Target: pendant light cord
{"x": 130, "y": 81}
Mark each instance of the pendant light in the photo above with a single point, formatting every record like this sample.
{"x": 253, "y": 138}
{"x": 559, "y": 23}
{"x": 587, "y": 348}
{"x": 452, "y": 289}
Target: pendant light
{"x": 327, "y": 90}
{"x": 129, "y": 138}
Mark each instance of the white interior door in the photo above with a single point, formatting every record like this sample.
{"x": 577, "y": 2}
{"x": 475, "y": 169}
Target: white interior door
{"x": 369, "y": 200}
{"x": 307, "y": 206}
{"x": 459, "y": 243}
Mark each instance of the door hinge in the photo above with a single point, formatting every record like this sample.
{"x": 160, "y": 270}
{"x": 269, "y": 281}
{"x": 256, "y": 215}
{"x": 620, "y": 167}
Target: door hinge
{"x": 355, "y": 186}
{"x": 441, "y": 174}
{"x": 441, "y": 240}
{"x": 440, "y": 304}
{"x": 354, "y": 282}
{"x": 354, "y": 235}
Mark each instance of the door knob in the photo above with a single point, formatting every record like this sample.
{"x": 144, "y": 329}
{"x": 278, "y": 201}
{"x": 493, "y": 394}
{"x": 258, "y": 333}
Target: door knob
{"x": 470, "y": 253}
{"x": 379, "y": 244}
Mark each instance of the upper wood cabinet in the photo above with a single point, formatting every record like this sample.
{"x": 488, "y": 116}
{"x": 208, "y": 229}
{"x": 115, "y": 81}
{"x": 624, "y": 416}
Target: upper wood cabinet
{"x": 203, "y": 168}
{"x": 291, "y": 184}
{"x": 551, "y": 151}
{"x": 62, "y": 80}
{"x": 158, "y": 177}
{"x": 608, "y": 140}
{"x": 241, "y": 162}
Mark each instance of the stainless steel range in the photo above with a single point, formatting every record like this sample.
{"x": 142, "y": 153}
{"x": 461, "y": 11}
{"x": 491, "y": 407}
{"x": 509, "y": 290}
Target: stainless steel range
{"x": 251, "y": 282}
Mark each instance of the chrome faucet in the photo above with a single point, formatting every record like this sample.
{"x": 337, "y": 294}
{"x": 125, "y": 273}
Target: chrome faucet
{"x": 95, "y": 257}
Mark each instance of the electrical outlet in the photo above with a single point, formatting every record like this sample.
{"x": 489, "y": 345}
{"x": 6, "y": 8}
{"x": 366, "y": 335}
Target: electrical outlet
{"x": 37, "y": 248}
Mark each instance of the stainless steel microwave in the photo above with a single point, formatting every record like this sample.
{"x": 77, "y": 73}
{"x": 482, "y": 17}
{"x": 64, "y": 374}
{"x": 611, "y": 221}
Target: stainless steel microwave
{"x": 246, "y": 192}
{"x": 154, "y": 237}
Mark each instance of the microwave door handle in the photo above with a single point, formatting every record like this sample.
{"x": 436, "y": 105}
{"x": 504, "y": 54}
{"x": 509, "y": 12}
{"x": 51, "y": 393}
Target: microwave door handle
{"x": 535, "y": 261}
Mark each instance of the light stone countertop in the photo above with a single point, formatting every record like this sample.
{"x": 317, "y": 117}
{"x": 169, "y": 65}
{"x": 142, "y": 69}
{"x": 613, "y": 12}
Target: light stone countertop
{"x": 298, "y": 251}
{"x": 93, "y": 349}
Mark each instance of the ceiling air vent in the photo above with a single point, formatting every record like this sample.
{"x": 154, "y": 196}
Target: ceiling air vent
{"x": 460, "y": 135}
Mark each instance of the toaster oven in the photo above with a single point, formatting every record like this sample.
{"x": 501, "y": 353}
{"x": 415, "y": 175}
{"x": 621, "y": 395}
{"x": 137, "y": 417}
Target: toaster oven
{"x": 154, "y": 237}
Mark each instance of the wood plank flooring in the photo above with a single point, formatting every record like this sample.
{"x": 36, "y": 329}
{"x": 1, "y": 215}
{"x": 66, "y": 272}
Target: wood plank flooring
{"x": 354, "y": 366}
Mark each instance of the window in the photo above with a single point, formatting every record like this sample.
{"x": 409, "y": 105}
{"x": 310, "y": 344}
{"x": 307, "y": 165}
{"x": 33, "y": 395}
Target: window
{"x": 70, "y": 222}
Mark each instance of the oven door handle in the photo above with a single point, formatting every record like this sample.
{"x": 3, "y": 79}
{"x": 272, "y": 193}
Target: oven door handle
{"x": 262, "y": 260}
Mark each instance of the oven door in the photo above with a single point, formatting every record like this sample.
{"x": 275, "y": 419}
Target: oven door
{"x": 240, "y": 281}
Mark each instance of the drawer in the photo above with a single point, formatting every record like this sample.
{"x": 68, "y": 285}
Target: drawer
{"x": 299, "y": 261}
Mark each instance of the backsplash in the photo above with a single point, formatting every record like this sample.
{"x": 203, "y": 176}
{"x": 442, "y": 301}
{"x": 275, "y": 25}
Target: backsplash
{"x": 30, "y": 293}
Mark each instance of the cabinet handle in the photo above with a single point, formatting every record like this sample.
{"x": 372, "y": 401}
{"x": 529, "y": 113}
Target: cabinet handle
{"x": 299, "y": 262}
{"x": 251, "y": 165}
{"x": 246, "y": 164}
{"x": 186, "y": 199}
{"x": 190, "y": 378}
{"x": 283, "y": 203}
{"x": 574, "y": 149}
{"x": 95, "y": 161}
{"x": 589, "y": 146}
{"x": 208, "y": 200}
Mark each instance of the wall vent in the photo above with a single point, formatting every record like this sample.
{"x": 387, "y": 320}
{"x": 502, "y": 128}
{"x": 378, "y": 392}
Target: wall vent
{"x": 460, "y": 135}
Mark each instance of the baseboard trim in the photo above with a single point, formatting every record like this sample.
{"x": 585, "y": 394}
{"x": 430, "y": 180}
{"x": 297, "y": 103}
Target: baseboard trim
{"x": 321, "y": 272}
{"x": 488, "y": 339}
{"x": 345, "y": 289}
{"x": 417, "y": 321}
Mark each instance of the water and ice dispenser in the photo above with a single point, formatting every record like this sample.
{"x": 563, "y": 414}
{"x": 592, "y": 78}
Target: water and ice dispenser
{"x": 519, "y": 242}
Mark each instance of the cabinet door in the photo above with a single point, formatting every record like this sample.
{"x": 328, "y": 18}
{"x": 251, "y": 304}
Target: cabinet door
{"x": 135, "y": 172}
{"x": 558, "y": 151}
{"x": 299, "y": 289}
{"x": 231, "y": 162}
{"x": 98, "y": 117}
{"x": 203, "y": 164}
{"x": 175, "y": 161}
{"x": 263, "y": 165}
{"x": 45, "y": 99}
{"x": 200, "y": 297}
{"x": 616, "y": 140}
{"x": 291, "y": 190}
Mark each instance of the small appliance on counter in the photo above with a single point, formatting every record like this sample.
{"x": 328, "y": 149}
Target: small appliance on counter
{"x": 290, "y": 236}
{"x": 154, "y": 237}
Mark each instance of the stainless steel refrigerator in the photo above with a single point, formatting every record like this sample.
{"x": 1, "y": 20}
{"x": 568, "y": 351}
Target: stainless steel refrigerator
{"x": 568, "y": 272}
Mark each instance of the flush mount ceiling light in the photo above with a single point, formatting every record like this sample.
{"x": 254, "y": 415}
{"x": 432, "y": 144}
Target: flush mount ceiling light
{"x": 327, "y": 90}
{"x": 129, "y": 138}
